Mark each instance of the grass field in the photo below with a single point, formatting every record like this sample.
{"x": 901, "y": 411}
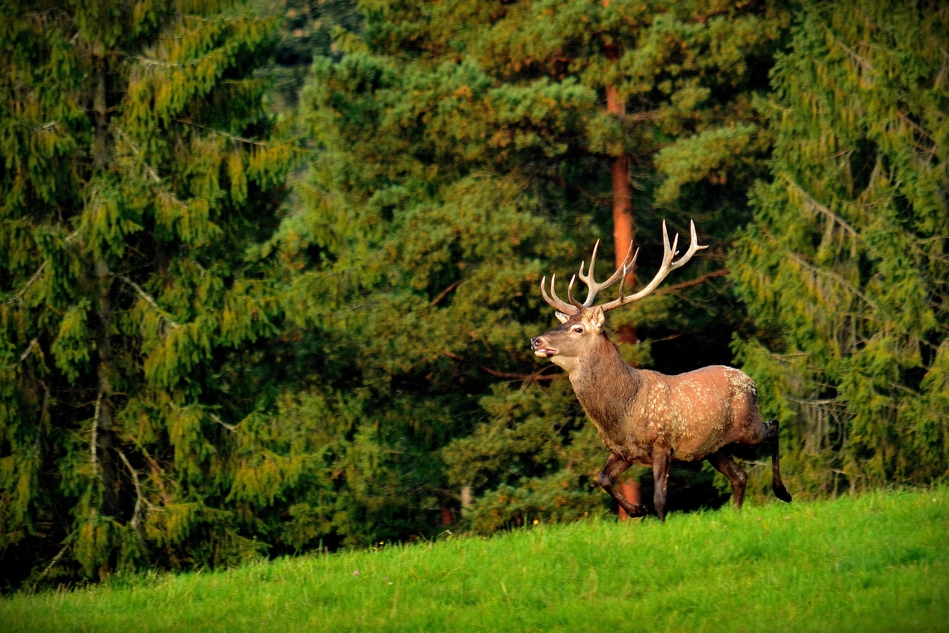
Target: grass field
{"x": 878, "y": 562}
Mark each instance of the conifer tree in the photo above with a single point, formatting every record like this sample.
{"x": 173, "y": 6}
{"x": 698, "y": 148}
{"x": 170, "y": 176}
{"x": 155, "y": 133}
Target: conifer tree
{"x": 465, "y": 150}
{"x": 136, "y": 172}
{"x": 844, "y": 267}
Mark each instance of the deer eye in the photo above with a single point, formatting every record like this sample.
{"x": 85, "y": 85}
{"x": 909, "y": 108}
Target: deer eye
{"x": 578, "y": 329}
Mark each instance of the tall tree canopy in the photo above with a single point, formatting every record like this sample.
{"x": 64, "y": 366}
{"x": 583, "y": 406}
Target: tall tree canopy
{"x": 136, "y": 172}
{"x": 200, "y": 362}
{"x": 845, "y": 266}
{"x": 465, "y": 150}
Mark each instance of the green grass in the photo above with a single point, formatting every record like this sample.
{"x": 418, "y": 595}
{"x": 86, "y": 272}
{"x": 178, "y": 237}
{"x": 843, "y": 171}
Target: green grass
{"x": 878, "y": 562}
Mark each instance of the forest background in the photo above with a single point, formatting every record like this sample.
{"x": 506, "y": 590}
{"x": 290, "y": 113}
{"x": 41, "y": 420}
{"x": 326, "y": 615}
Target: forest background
{"x": 270, "y": 269}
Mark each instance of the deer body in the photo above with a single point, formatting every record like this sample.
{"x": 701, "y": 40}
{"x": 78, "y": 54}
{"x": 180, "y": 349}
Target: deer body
{"x": 645, "y": 417}
{"x": 682, "y": 412}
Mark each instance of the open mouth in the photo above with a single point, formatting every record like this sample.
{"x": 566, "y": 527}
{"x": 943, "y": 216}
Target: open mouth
{"x": 545, "y": 352}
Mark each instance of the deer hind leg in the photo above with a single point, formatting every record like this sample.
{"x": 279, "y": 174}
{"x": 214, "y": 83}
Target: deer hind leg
{"x": 615, "y": 466}
{"x": 661, "y": 463}
{"x": 724, "y": 464}
{"x": 776, "y": 484}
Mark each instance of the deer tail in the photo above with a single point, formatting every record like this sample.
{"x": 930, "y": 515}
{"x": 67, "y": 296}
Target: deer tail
{"x": 776, "y": 484}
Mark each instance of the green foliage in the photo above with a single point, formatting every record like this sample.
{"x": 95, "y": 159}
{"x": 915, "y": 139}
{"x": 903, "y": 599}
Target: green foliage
{"x": 463, "y": 152}
{"x": 844, "y": 267}
{"x": 885, "y": 551}
{"x": 137, "y": 172}
{"x": 200, "y": 365}
{"x": 307, "y": 29}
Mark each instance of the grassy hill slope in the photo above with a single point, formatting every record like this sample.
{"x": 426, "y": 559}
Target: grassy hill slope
{"x": 878, "y": 562}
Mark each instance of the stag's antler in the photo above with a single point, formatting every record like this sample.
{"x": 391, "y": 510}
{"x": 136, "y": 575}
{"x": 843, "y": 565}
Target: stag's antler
{"x": 668, "y": 265}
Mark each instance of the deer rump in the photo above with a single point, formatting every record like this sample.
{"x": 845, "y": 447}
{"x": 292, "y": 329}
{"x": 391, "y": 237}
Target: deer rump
{"x": 645, "y": 417}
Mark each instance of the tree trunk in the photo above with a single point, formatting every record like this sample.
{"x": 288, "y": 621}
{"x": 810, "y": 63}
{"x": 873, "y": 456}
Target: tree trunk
{"x": 102, "y": 438}
{"x": 624, "y": 227}
{"x": 104, "y": 463}
{"x": 629, "y": 488}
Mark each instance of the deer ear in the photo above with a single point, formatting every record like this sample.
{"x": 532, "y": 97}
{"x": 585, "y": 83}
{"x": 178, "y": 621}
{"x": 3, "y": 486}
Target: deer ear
{"x": 597, "y": 317}
{"x": 563, "y": 318}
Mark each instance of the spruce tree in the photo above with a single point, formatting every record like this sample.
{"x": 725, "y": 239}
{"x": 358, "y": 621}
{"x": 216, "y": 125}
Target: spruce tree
{"x": 136, "y": 173}
{"x": 844, "y": 267}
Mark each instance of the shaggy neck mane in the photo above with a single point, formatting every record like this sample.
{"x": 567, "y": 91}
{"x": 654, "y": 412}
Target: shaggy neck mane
{"x": 602, "y": 370}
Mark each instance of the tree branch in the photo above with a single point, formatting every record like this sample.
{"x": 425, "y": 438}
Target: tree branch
{"x": 229, "y": 427}
{"x": 832, "y": 275}
{"x": 52, "y": 564}
{"x": 28, "y": 350}
{"x": 527, "y": 378}
{"x": 215, "y": 132}
{"x": 39, "y": 272}
{"x": 95, "y": 433}
{"x": 36, "y": 275}
{"x": 144, "y": 295}
{"x": 641, "y": 117}
{"x": 156, "y": 475}
{"x": 161, "y": 63}
{"x": 443, "y": 294}
{"x": 853, "y": 55}
{"x": 814, "y": 204}
{"x": 692, "y": 282}
{"x": 151, "y": 172}
{"x": 136, "y": 522}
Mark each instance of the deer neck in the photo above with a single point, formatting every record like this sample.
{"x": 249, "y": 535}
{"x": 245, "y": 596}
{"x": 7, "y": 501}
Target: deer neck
{"x": 605, "y": 385}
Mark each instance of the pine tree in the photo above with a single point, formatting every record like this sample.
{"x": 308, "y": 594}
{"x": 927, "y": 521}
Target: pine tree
{"x": 465, "y": 150}
{"x": 136, "y": 173}
{"x": 844, "y": 267}
{"x": 668, "y": 126}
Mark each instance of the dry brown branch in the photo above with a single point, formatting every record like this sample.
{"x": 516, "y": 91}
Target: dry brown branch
{"x": 528, "y": 378}
{"x": 693, "y": 282}
{"x": 443, "y": 294}
{"x": 535, "y": 377}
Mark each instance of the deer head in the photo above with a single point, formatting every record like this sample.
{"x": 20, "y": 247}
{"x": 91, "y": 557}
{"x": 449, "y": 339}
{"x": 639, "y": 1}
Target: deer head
{"x": 582, "y": 323}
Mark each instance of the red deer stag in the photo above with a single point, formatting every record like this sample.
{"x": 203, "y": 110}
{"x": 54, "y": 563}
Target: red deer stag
{"x": 645, "y": 417}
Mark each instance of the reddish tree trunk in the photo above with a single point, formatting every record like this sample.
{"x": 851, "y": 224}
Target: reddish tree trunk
{"x": 629, "y": 489}
{"x": 624, "y": 227}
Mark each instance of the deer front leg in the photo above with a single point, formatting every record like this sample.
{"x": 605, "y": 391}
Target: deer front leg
{"x": 661, "y": 461}
{"x": 615, "y": 466}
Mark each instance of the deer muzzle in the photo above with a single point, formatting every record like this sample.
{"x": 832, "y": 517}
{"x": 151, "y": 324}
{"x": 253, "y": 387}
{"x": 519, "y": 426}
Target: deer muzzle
{"x": 541, "y": 347}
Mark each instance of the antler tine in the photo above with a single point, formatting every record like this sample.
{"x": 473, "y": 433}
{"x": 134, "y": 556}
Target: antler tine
{"x": 668, "y": 265}
{"x": 556, "y": 302}
{"x": 693, "y": 247}
{"x": 576, "y": 304}
{"x": 588, "y": 278}
{"x": 592, "y": 284}
{"x": 622, "y": 281}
